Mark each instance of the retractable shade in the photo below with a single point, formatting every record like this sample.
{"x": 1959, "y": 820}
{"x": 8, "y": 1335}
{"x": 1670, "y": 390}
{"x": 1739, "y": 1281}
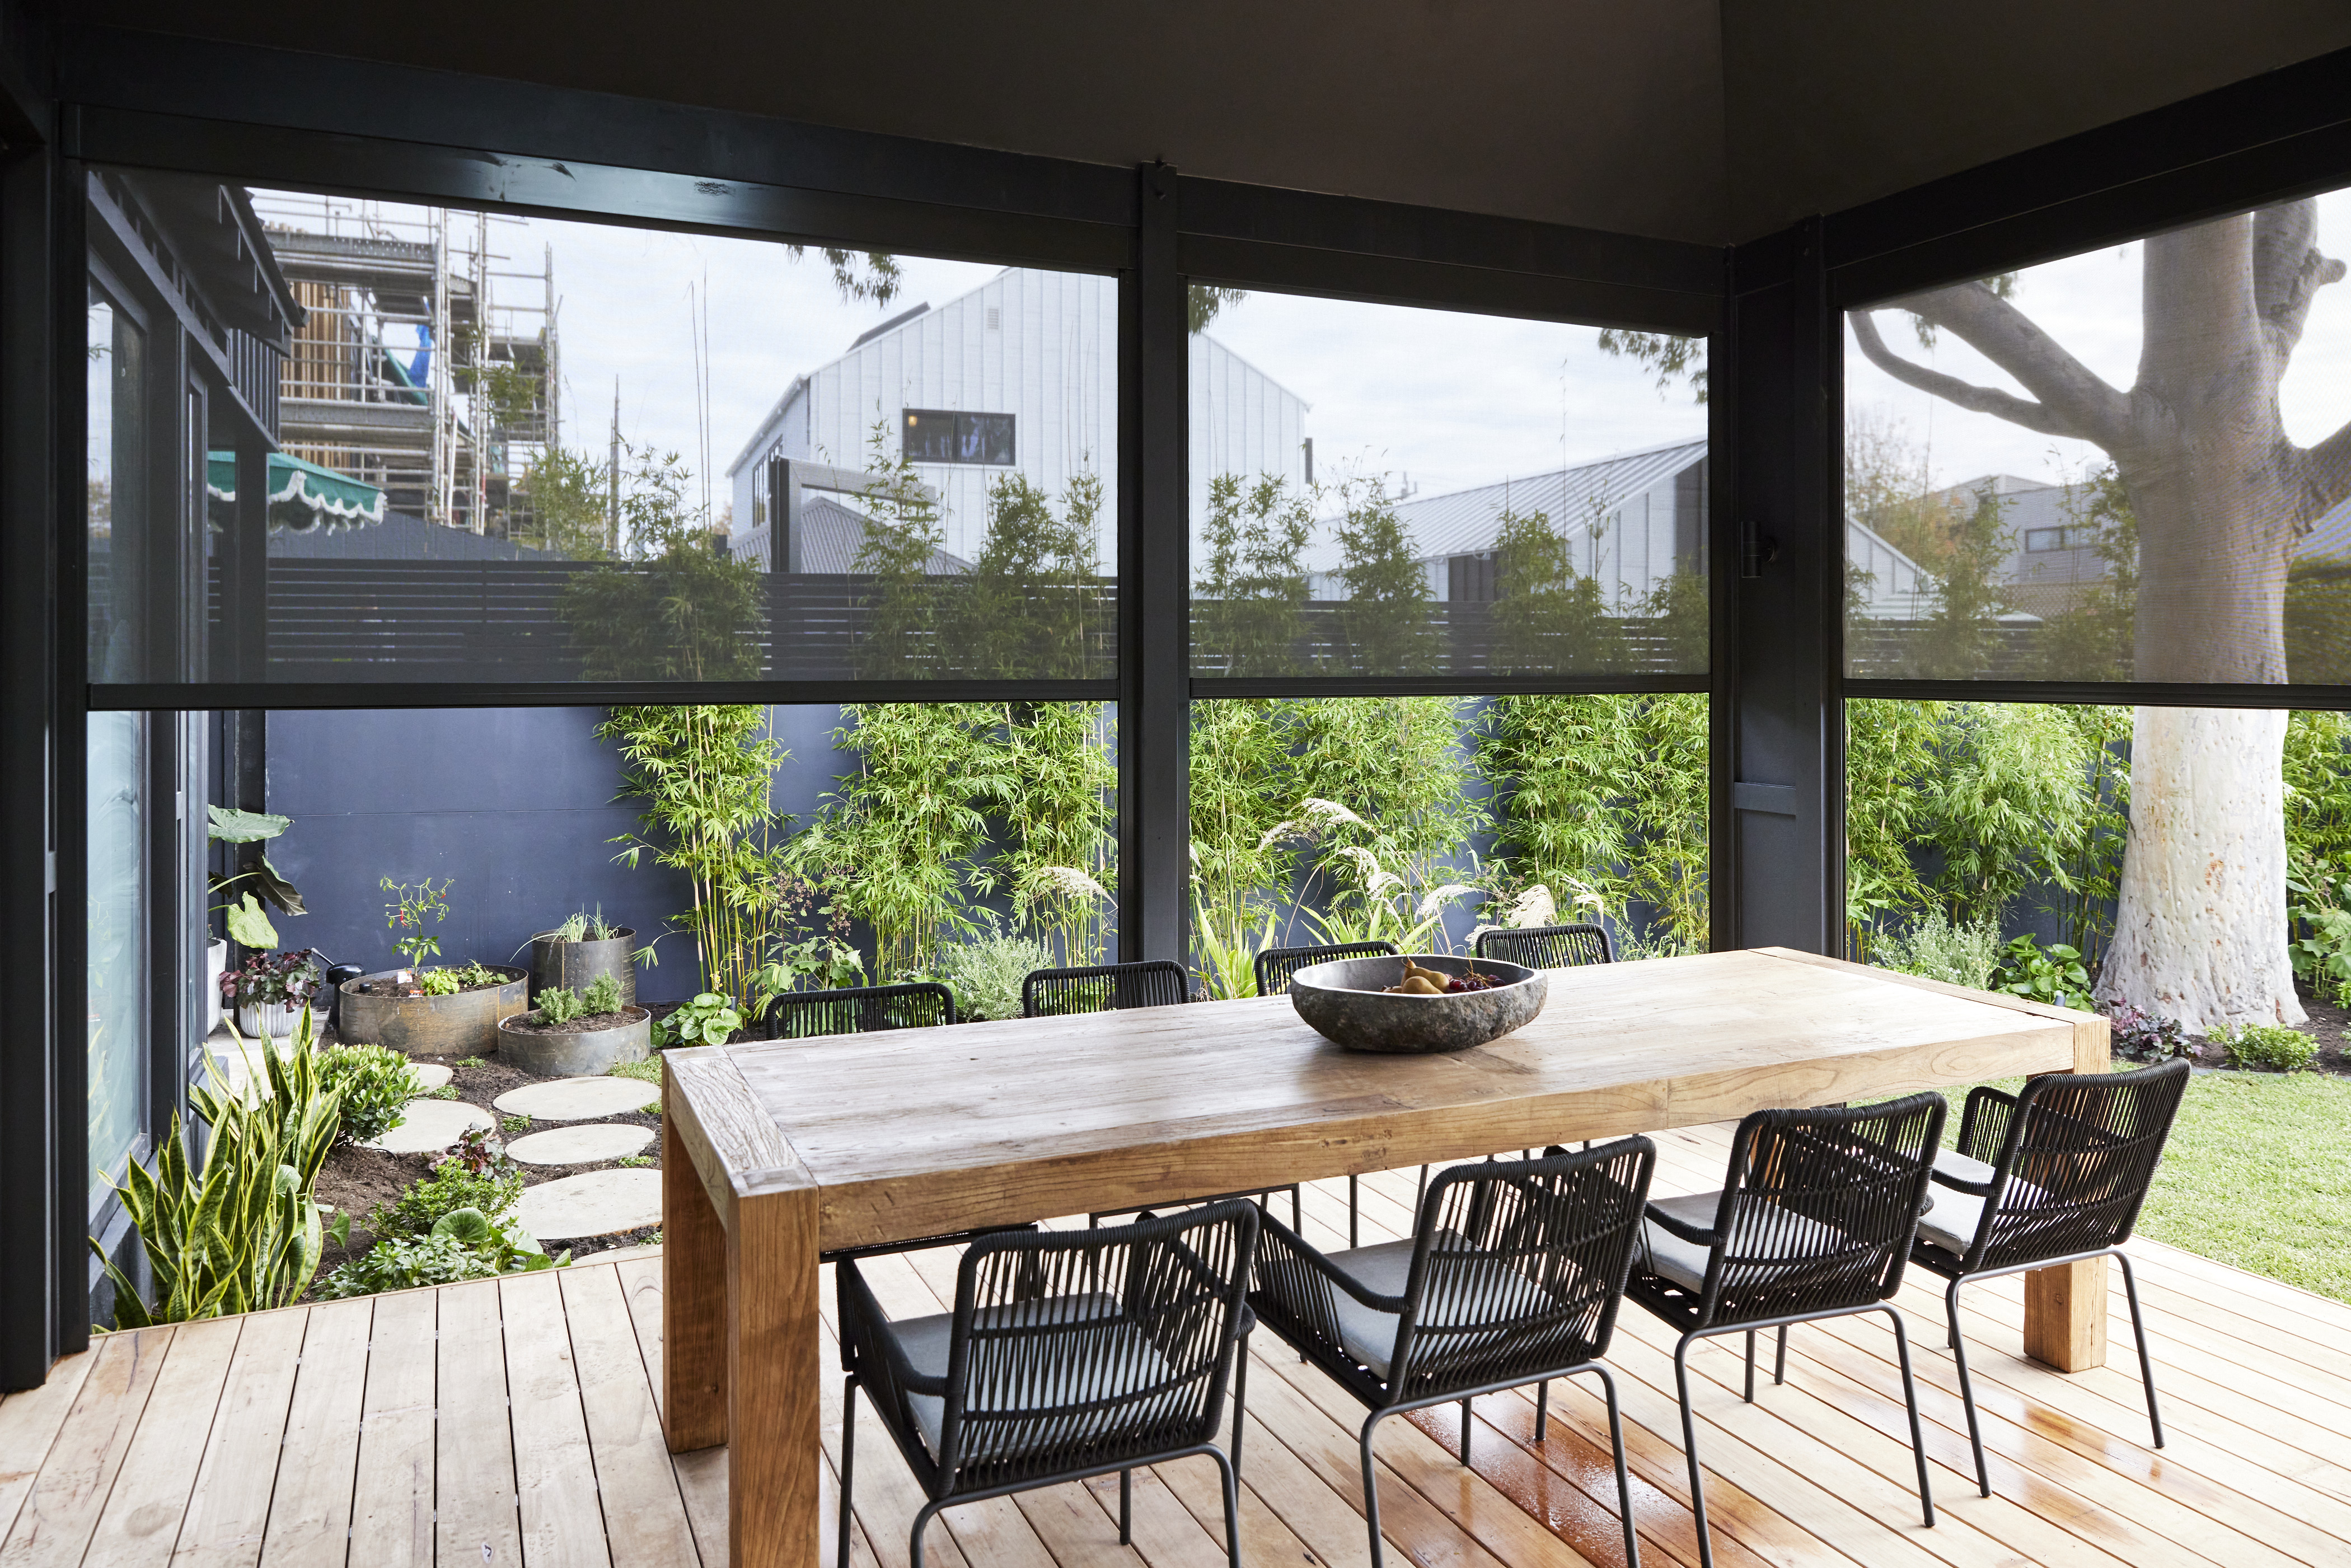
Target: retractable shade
{"x": 301, "y": 494}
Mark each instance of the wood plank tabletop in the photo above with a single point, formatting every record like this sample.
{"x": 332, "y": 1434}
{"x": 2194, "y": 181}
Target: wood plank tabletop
{"x": 919, "y": 1132}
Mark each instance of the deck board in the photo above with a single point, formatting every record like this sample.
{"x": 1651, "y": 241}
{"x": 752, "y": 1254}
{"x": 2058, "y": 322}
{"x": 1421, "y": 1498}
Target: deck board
{"x": 394, "y": 1432}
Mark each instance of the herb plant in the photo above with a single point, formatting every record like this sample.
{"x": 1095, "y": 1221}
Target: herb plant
{"x": 1967, "y": 953}
{"x": 602, "y": 996}
{"x": 413, "y": 915}
{"x": 439, "y": 983}
{"x": 986, "y": 973}
{"x": 559, "y": 1004}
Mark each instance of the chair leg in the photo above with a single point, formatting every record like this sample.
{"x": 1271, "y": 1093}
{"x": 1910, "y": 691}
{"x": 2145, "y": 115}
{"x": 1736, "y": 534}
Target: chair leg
{"x": 1779, "y": 1362}
{"x": 1967, "y": 1388}
{"x": 1230, "y": 1475}
{"x": 1371, "y": 1491}
{"x": 1419, "y": 1190}
{"x": 848, "y": 1459}
{"x": 1689, "y": 1447}
{"x": 1127, "y": 1508}
{"x": 1910, "y": 1399}
{"x": 1749, "y": 1394}
{"x": 1623, "y": 1482}
{"x": 1240, "y": 1399}
{"x": 914, "y": 1538}
{"x": 2138, "y": 1332}
{"x": 1542, "y": 1408}
{"x": 1465, "y": 1434}
{"x": 1297, "y": 1214}
{"x": 1353, "y": 1207}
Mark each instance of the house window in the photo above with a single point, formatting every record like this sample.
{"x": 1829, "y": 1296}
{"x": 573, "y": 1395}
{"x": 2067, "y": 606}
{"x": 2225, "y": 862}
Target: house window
{"x": 2038, "y": 542}
{"x": 939, "y": 436}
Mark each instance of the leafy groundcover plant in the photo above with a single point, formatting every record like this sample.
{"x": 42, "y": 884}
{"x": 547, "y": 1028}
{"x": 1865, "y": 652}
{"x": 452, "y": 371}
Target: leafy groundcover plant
{"x": 376, "y": 1085}
{"x": 454, "y": 1225}
{"x": 2268, "y": 1048}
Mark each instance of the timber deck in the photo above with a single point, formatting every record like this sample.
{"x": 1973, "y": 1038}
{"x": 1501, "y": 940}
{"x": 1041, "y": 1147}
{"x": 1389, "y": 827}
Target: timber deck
{"x": 514, "y": 1422}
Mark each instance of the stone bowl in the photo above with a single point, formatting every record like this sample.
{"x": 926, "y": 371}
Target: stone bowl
{"x": 1347, "y": 1001}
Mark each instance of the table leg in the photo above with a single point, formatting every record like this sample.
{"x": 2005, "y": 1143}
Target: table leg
{"x": 772, "y": 1372}
{"x": 2065, "y": 1307}
{"x": 693, "y": 1302}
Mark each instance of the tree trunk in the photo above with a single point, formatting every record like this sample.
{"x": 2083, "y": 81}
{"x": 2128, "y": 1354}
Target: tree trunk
{"x": 2199, "y": 934}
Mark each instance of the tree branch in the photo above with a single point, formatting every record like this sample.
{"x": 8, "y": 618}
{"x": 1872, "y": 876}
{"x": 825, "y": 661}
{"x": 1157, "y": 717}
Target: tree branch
{"x": 2288, "y": 271}
{"x": 1950, "y": 388}
{"x": 2087, "y": 407}
{"x": 2327, "y": 468}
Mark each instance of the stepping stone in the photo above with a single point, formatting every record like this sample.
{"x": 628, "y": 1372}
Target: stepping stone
{"x": 601, "y": 1203}
{"x": 428, "y": 1126}
{"x": 578, "y": 1099}
{"x": 433, "y": 1074}
{"x": 584, "y": 1145}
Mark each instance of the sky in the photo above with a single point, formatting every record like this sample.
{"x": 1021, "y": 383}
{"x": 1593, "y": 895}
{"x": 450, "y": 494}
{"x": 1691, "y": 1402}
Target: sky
{"x": 1439, "y": 400}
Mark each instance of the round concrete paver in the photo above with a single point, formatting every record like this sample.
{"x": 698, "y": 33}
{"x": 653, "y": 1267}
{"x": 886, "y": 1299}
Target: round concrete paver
{"x": 578, "y": 1099}
{"x": 434, "y": 1073}
{"x": 601, "y": 1203}
{"x": 428, "y": 1126}
{"x": 584, "y": 1145}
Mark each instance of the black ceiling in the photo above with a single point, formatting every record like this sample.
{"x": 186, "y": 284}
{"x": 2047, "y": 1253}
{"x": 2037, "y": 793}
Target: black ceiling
{"x": 1683, "y": 119}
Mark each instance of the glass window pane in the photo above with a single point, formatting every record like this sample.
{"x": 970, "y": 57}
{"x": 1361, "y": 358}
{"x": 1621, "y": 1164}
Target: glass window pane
{"x": 1379, "y": 490}
{"x": 116, "y": 489}
{"x": 2133, "y": 463}
{"x": 1421, "y": 820}
{"x": 450, "y": 445}
{"x": 117, "y": 974}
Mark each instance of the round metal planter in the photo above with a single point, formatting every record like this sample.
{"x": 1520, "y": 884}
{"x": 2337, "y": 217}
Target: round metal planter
{"x": 464, "y": 1025}
{"x": 576, "y": 965}
{"x": 576, "y": 1053}
{"x": 1348, "y": 1001}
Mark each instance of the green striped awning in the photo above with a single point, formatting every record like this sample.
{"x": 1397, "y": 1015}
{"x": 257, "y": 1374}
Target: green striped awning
{"x": 301, "y": 494}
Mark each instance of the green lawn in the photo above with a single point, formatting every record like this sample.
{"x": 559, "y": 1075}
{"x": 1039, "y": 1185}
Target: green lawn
{"x": 2258, "y": 1175}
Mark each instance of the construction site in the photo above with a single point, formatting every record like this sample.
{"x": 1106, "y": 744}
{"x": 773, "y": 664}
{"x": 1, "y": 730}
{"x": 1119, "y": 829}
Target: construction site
{"x": 427, "y": 365}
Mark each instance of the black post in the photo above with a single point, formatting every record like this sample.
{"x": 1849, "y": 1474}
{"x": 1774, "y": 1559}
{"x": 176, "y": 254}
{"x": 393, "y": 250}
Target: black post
{"x": 1155, "y": 690}
{"x": 1779, "y": 649}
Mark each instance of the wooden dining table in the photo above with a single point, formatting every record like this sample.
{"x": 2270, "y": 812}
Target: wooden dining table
{"x": 773, "y": 1152}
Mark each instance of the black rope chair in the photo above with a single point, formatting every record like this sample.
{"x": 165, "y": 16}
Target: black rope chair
{"x": 863, "y": 1009}
{"x": 1105, "y": 987}
{"x": 1814, "y": 1221}
{"x": 1274, "y": 967}
{"x": 1512, "y": 1276}
{"x": 1070, "y": 1353}
{"x": 1548, "y": 946}
{"x": 859, "y": 1009}
{"x": 2054, "y": 1175}
{"x": 1114, "y": 987}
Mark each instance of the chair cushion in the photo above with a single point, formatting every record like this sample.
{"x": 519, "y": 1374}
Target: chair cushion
{"x": 1098, "y": 1333}
{"x": 1669, "y": 1257}
{"x": 1369, "y": 1335}
{"x": 1952, "y": 1222}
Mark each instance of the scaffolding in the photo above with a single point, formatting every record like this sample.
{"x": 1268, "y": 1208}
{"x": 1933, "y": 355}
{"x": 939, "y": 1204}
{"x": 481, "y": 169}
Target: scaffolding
{"x": 429, "y": 364}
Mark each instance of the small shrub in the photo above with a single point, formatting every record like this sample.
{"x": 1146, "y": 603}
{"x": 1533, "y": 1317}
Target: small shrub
{"x": 984, "y": 974}
{"x": 2267, "y": 1046}
{"x": 2053, "y": 974}
{"x": 402, "y": 1263}
{"x": 558, "y": 1004}
{"x": 2143, "y": 1037}
{"x": 450, "y": 1188}
{"x": 1963, "y": 954}
{"x": 377, "y": 1085}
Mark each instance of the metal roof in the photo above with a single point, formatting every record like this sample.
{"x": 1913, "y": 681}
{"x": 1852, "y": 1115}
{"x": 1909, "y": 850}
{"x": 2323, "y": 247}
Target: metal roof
{"x": 1465, "y": 522}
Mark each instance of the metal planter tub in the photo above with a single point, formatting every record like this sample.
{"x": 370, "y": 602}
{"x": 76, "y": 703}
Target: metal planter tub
{"x": 1348, "y": 1001}
{"x": 464, "y": 1025}
{"x": 578, "y": 1052}
{"x": 557, "y": 965}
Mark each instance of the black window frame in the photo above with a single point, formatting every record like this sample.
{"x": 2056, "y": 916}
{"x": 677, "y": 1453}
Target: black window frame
{"x": 966, "y": 429}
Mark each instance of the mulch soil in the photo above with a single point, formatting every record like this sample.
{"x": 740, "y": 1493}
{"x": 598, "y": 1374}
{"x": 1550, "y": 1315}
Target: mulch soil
{"x": 355, "y": 1180}
{"x": 2328, "y": 1025}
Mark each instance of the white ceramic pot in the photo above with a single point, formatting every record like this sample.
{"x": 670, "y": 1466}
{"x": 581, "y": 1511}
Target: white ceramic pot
{"x": 273, "y": 1020}
{"x": 216, "y": 966}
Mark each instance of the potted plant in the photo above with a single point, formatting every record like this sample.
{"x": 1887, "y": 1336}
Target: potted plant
{"x": 248, "y": 922}
{"x": 442, "y": 1011}
{"x": 271, "y": 992}
{"x": 574, "y": 1034}
{"x": 582, "y": 950}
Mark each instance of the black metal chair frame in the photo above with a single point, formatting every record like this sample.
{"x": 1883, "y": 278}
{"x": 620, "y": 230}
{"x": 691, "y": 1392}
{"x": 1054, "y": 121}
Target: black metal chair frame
{"x": 872, "y": 1002}
{"x": 1273, "y": 968}
{"x": 881, "y": 1366}
{"x": 1782, "y": 1139}
{"x": 1579, "y": 935}
{"x": 2005, "y": 1130}
{"x": 1282, "y": 1251}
